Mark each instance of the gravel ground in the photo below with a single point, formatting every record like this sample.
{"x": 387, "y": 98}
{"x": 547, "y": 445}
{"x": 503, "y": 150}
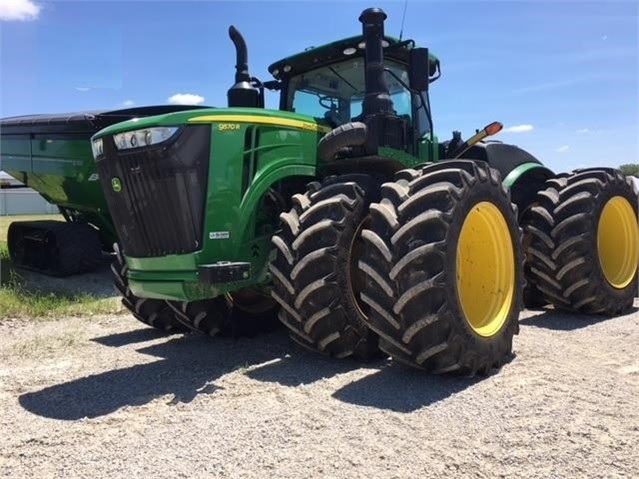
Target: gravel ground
{"x": 107, "y": 397}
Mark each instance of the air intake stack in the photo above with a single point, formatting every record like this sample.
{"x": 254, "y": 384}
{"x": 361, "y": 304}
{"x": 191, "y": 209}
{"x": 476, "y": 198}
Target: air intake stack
{"x": 243, "y": 93}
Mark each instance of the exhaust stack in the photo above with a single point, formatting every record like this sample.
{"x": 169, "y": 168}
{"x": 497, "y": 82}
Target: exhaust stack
{"x": 379, "y": 126}
{"x": 243, "y": 93}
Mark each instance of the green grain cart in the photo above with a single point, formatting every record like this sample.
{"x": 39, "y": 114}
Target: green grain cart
{"x": 52, "y": 154}
{"x": 344, "y": 215}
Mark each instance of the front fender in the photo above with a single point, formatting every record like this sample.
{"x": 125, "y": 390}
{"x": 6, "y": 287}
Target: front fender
{"x": 261, "y": 183}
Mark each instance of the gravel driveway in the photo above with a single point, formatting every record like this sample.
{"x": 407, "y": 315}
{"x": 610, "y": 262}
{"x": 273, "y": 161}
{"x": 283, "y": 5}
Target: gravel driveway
{"x": 106, "y": 397}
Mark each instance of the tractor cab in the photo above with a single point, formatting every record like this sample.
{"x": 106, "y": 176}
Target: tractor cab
{"x": 371, "y": 78}
{"x": 328, "y": 82}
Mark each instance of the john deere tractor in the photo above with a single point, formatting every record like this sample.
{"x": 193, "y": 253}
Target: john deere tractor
{"x": 344, "y": 215}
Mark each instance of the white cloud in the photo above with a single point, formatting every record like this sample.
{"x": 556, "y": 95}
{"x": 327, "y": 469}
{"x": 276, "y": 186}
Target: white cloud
{"x": 128, "y": 103}
{"x": 519, "y": 128}
{"x": 83, "y": 88}
{"x": 604, "y": 37}
{"x": 21, "y": 10}
{"x": 582, "y": 131}
{"x": 563, "y": 149}
{"x": 185, "y": 99}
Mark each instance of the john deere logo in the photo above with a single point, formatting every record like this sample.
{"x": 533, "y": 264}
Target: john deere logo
{"x": 116, "y": 184}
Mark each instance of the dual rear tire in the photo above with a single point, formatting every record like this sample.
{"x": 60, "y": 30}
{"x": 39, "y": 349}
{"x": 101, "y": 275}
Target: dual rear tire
{"x": 429, "y": 272}
{"x": 584, "y": 242}
{"x": 443, "y": 262}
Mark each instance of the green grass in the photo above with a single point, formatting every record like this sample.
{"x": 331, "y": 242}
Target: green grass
{"x": 17, "y": 300}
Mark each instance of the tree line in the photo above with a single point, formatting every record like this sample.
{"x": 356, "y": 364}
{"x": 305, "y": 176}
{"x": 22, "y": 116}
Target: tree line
{"x": 631, "y": 169}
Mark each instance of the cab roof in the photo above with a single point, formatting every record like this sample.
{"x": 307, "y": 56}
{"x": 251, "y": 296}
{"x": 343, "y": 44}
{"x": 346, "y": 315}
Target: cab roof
{"x": 315, "y": 57}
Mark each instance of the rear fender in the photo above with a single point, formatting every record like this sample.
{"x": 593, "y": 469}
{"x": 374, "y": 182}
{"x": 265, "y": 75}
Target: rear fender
{"x": 524, "y": 182}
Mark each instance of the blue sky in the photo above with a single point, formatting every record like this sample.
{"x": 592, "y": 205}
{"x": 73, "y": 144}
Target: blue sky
{"x": 562, "y": 76}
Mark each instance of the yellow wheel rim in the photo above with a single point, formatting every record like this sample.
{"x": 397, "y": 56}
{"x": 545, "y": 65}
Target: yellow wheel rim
{"x": 485, "y": 269}
{"x": 618, "y": 242}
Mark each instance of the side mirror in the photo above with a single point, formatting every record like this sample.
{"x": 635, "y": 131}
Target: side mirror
{"x": 418, "y": 69}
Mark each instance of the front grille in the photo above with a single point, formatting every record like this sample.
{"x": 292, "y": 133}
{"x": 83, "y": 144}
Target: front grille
{"x": 160, "y": 207}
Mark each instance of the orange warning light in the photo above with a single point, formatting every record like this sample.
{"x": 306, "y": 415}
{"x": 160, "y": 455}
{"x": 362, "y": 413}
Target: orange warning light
{"x": 494, "y": 128}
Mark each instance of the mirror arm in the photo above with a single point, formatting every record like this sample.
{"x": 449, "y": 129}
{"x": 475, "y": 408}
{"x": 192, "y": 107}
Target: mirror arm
{"x": 423, "y": 105}
{"x": 439, "y": 73}
{"x": 273, "y": 85}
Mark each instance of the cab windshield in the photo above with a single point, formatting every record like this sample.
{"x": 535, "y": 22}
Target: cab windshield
{"x": 335, "y": 92}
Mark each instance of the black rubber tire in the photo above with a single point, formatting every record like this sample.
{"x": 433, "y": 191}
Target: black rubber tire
{"x": 410, "y": 263}
{"x": 344, "y": 136}
{"x": 524, "y": 195}
{"x": 563, "y": 229}
{"x": 207, "y": 316}
{"x": 221, "y": 316}
{"x": 312, "y": 269}
{"x": 152, "y": 312}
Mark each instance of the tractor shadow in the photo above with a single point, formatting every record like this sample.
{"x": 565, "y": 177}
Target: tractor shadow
{"x": 391, "y": 386}
{"x": 130, "y": 337}
{"x": 400, "y": 389}
{"x": 300, "y": 367}
{"x": 558, "y": 320}
{"x": 189, "y": 365}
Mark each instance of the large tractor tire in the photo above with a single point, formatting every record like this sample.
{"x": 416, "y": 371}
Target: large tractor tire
{"x": 243, "y": 313}
{"x": 443, "y": 265}
{"x": 524, "y": 195}
{"x": 152, "y": 312}
{"x": 315, "y": 274}
{"x": 206, "y": 316}
{"x": 584, "y": 242}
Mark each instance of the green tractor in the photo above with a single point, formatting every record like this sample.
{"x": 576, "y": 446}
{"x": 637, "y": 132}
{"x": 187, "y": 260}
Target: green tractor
{"x": 343, "y": 215}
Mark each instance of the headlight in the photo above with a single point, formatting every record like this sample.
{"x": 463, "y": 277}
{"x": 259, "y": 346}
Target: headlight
{"x": 97, "y": 147}
{"x": 145, "y": 137}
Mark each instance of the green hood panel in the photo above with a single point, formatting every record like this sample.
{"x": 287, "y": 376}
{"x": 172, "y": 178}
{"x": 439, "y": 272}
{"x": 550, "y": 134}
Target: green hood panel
{"x": 227, "y": 115}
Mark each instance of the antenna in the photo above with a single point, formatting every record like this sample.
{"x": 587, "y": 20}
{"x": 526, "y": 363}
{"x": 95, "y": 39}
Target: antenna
{"x": 401, "y": 30}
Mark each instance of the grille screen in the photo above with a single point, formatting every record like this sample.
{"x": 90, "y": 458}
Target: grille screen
{"x": 159, "y": 209}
